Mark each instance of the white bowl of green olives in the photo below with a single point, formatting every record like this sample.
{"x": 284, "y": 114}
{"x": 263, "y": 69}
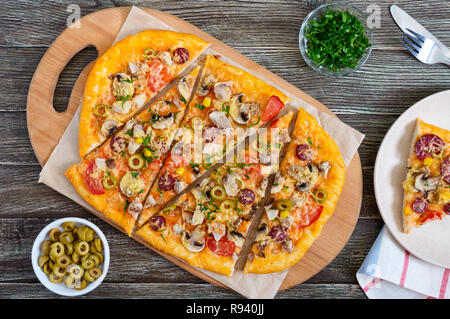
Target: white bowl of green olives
{"x": 70, "y": 256}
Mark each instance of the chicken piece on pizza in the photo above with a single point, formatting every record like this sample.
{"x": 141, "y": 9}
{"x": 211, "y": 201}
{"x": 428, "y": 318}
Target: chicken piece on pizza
{"x": 115, "y": 178}
{"x": 130, "y": 73}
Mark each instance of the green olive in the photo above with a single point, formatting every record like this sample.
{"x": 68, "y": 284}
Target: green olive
{"x": 69, "y": 249}
{"x": 95, "y": 272}
{"x": 45, "y": 248}
{"x": 109, "y": 181}
{"x": 68, "y": 226}
{"x": 100, "y": 256}
{"x": 95, "y": 258}
{"x": 66, "y": 237}
{"x": 218, "y": 193}
{"x": 90, "y": 235}
{"x": 101, "y": 110}
{"x": 92, "y": 248}
{"x": 149, "y": 53}
{"x": 54, "y": 234}
{"x": 88, "y": 263}
{"x": 55, "y": 279}
{"x": 75, "y": 258}
{"x": 75, "y": 271}
{"x": 88, "y": 277}
{"x": 47, "y": 269}
{"x": 59, "y": 271}
{"x": 98, "y": 244}
{"x": 82, "y": 248}
{"x": 284, "y": 204}
{"x": 226, "y": 206}
{"x": 63, "y": 261}
{"x": 81, "y": 231}
{"x": 51, "y": 264}
{"x": 43, "y": 260}
{"x": 320, "y": 196}
{"x": 83, "y": 258}
{"x": 136, "y": 161}
{"x": 56, "y": 250}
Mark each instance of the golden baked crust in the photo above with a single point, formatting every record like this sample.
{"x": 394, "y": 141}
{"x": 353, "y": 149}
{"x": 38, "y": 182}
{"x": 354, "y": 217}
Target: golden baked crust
{"x": 116, "y": 60}
{"x": 429, "y": 166}
{"x": 269, "y": 256}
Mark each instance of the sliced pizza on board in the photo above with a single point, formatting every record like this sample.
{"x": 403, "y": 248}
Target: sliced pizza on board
{"x": 115, "y": 179}
{"x": 227, "y": 104}
{"x": 303, "y": 197}
{"x": 207, "y": 226}
{"x": 130, "y": 73}
{"x": 427, "y": 185}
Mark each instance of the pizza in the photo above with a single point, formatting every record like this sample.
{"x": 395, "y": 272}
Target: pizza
{"x": 208, "y": 225}
{"x": 303, "y": 197}
{"x": 130, "y": 73}
{"x": 115, "y": 179}
{"x": 427, "y": 185}
{"x": 227, "y": 104}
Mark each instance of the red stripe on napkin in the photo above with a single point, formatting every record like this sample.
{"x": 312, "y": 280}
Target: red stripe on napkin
{"x": 405, "y": 268}
{"x": 444, "y": 283}
{"x": 371, "y": 284}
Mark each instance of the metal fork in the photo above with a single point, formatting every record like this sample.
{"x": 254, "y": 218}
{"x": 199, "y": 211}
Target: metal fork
{"x": 424, "y": 49}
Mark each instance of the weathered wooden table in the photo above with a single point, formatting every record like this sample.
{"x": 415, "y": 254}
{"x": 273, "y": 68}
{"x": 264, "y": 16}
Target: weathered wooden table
{"x": 267, "y": 32}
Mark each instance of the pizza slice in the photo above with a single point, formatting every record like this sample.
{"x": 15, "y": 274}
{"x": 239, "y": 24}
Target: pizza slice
{"x": 304, "y": 194}
{"x": 427, "y": 185}
{"x": 115, "y": 178}
{"x": 227, "y": 104}
{"x": 207, "y": 226}
{"x": 130, "y": 73}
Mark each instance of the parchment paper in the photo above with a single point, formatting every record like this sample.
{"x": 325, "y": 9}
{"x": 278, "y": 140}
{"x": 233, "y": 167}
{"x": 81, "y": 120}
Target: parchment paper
{"x": 66, "y": 154}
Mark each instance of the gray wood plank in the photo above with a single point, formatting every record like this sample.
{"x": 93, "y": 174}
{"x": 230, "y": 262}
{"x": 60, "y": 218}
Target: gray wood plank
{"x": 179, "y": 291}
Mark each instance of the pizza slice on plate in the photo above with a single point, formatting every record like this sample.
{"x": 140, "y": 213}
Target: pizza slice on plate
{"x": 427, "y": 185}
{"x": 116, "y": 177}
{"x": 303, "y": 198}
{"x": 130, "y": 73}
{"x": 207, "y": 226}
{"x": 227, "y": 103}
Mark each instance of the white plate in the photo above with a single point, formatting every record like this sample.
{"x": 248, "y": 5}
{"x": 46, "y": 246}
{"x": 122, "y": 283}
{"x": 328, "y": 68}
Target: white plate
{"x": 61, "y": 288}
{"x": 430, "y": 242}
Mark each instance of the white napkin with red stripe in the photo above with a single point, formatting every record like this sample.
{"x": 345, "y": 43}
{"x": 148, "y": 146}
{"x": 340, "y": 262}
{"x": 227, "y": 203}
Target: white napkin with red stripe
{"x": 389, "y": 271}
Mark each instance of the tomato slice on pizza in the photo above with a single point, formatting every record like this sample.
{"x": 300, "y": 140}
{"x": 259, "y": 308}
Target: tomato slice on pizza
{"x": 130, "y": 73}
{"x": 303, "y": 196}
{"x": 116, "y": 178}
{"x": 427, "y": 185}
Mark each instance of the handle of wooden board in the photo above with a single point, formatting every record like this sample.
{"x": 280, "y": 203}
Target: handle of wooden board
{"x": 64, "y": 48}
{"x": 45, "y": 124}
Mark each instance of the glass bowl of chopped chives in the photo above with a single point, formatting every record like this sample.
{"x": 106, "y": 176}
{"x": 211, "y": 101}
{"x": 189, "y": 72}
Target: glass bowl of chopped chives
{"x": 335, "y": 40}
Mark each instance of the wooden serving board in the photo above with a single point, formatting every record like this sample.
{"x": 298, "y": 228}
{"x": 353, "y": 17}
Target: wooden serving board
{"x": 46, "y": 126}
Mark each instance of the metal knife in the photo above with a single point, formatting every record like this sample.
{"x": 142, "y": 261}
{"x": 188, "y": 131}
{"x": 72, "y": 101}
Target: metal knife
{"x": 404, "y": 21}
